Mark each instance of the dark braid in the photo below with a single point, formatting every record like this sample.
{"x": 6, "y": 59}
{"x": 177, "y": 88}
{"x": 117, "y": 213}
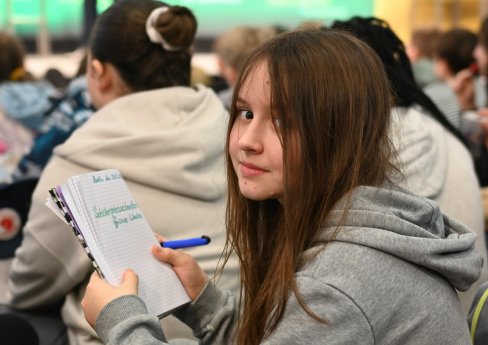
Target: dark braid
{"x": 378, "y": 34}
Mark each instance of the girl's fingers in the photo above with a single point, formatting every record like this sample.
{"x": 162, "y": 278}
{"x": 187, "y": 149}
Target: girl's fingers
{"x": 187, "y": 269}
{"x": 160, "y": 238}
{"x": 131, "y": 281}
{"x": 175, "y": 258}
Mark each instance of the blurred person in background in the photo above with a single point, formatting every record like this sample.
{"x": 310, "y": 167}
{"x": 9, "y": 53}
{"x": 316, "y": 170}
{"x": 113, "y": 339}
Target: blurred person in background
{"x": 420, "y": 51}
{"x": 453, "y": 53}
{"x": 232, "y": 48}
{"x": 475, "y": 116}
{"x": 22, "y": 98}
{"x": 430, "y": 151}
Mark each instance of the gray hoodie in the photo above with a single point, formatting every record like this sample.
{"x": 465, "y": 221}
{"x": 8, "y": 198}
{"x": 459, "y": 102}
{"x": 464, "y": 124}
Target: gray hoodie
{"x": 388, "y": 277}
{"x": 437, "y": 166}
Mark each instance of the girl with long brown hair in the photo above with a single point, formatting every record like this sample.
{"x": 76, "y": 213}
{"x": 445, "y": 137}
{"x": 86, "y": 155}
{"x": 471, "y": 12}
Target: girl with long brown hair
{"x": 331, "y": 251}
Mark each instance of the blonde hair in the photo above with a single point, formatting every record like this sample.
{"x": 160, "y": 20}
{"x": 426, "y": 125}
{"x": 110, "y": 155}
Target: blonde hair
{"x": 235, "y": 45}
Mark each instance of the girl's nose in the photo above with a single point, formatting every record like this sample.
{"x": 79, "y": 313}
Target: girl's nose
{"x": 251, "y": 137}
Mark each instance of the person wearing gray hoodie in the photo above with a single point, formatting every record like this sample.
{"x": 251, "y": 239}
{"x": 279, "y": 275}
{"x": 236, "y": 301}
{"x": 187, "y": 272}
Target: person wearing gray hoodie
{"x": 388, "y": 277}
{"x": 331, "y": 251}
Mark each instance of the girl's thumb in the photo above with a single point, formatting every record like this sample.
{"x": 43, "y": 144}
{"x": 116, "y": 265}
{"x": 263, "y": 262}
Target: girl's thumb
{"x": 130, "y": 279}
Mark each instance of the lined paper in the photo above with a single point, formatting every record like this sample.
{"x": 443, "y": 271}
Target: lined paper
{"x": 119, "y": 237}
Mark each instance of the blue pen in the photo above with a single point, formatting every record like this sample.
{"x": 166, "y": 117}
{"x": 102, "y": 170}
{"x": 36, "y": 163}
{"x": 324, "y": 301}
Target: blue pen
{"x": 189, "y": 242}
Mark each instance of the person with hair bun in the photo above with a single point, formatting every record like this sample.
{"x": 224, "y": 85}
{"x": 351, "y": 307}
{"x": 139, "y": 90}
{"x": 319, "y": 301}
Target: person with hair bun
{"x": 164, "y": 136}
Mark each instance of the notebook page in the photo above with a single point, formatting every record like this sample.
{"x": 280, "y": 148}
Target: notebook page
{"x": 74, "y": 205}
{"x": 125, "y": 239}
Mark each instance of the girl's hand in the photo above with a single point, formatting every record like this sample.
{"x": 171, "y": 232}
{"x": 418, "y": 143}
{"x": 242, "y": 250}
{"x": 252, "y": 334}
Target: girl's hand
{"x": 160, "y": 238}
{"x": 188, "y": 271}
{"x": 99, "y": 293}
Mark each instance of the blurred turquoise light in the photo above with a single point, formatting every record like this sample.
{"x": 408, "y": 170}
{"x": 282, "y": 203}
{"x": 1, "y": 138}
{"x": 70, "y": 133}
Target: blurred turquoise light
{"x": 65, "y": 17}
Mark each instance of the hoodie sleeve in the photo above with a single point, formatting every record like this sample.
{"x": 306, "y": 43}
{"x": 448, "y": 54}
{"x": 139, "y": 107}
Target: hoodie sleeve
{"x": 125, "y": 320}
{"x": 50, "y": 262}
{"x": 213, "y": 319}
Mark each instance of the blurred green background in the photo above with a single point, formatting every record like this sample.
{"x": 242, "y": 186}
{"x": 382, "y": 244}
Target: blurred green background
{"x": 65, "y": 17}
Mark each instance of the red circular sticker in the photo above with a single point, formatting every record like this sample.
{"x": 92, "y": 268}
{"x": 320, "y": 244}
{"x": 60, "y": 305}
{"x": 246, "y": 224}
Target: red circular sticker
{"x": 9, "y": 224}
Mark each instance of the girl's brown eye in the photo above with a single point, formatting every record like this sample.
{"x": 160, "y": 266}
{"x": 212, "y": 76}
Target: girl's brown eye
{"x": 246, "y": 114}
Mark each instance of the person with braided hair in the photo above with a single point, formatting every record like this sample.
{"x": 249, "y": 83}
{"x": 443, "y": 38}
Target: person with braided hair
{"x": 431, "y": 152}
{"x": 166, "y": 138}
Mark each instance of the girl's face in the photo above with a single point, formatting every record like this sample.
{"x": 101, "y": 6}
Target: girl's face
{"x": 254, "y": 144}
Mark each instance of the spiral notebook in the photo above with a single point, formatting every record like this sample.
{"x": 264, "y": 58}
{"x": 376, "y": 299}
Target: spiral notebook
{"x": 110, "y": 226}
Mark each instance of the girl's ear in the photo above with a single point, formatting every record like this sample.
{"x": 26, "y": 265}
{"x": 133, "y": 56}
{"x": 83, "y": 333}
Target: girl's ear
{"x": 102, "y": 74}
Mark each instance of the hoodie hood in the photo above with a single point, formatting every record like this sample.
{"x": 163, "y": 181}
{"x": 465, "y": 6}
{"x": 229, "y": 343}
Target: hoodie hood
{"x": 169, "y": 139}
{"x": 414, "y": 229}
{"x": 421, "y": 151}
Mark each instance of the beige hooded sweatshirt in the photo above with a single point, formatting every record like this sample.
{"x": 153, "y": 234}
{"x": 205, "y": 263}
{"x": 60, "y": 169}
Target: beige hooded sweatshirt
{"x": 168, "y": 145}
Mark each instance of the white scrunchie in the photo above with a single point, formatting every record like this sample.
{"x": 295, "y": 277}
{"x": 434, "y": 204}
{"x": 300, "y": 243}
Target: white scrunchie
{"x": 153, "y": 34}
